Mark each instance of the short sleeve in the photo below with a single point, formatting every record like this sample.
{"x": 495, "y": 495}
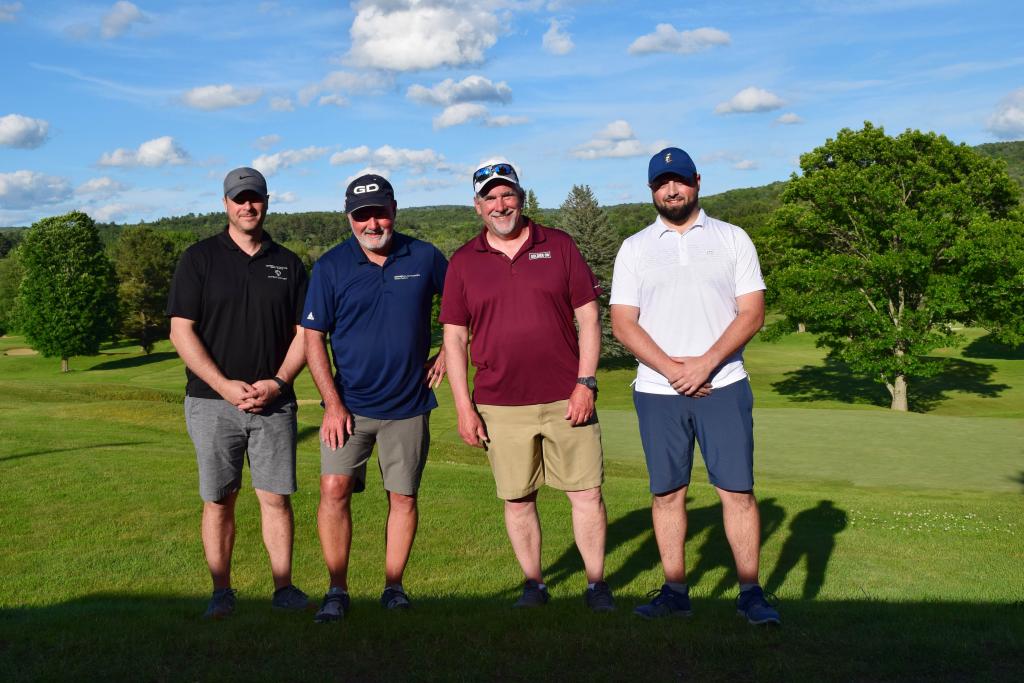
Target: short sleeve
{"x": 748, "y": 268}
{"x": 454, "y": 308}
{"x": 583, "y": 284}
{"x": 439, "y": 271}
{"x": 185, "y": 300}
{"x": 318, "y": 312}
{"x": 625, "y": 279}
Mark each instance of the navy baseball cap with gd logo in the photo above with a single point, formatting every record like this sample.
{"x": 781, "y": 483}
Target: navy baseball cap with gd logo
{"x": 671, "y": 160}
{"x": 368, "y": 190}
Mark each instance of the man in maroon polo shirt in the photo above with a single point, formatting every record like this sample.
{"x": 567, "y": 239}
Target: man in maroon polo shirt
{"x": 516, "y": 289}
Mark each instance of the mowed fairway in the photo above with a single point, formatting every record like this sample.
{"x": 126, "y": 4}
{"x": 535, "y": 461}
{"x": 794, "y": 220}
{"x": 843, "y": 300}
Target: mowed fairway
{"x": 894, "y": 542}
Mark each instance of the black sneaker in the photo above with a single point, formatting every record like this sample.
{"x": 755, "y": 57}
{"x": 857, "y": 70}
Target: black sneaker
{"x": 599, "y": 598}
{"x": 334, "y": 607}
{"x": 394, "y": 598}
{"x": 290, "y": 598}
{"x": 222, "y": 604}
{"x": 753, "y": 605}
{"x": 534, "y": 595}
{"x": 666, "y": 603}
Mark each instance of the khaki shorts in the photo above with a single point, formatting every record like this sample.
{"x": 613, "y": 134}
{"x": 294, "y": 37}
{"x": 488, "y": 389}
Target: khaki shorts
{"x": 535, "y": 445}
{"x": 402, "y": 447}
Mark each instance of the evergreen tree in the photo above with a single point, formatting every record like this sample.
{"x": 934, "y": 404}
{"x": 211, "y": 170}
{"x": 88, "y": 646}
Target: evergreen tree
{"x": 67, "y": 301}
{"x": 587, "y": 223}
{"x": 144, "y": 260}
{"x": 530, "y": 207}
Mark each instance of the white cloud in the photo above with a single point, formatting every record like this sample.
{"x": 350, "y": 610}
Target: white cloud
{"x": 265, "y": 142}
{"x": 338, "y": 82}
{"x": 383, "y": 172}
{"x": 103, "y": 187}
{"x": 212, "y": 97}
{"x": 745, "y": 165}
{"x": 281, "y": 104}
{"x": 161, "y": 151}
{"x": 556, "y": 41}
{"x": 120, "y": 18}
{"x": 26, "y": 189}
{"x": 285, "y": 197}
{"x": 667, "y": 39}
{"x": 750, "y": 100}
{"x": 336, "y": 100}
{"x": 789, "y": 119}
{"x": 458, "y": 114}
{"x": 616, "y": 140}
{"x": 269, "y": 164}
{"x": 505, "y": 120}
{"x": 469, "y": 89}
{"x": 9, "y": 11}
{"x": 109, "y": 212}
{"x": 1007, "y": 121}
{"x": 408, "y": 35}
{"x": 390, "y": 158}
{"x": 22, "y": 131}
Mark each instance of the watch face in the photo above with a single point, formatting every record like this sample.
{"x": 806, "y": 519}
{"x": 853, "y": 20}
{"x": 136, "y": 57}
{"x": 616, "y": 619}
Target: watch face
{"x": 588, "y": 382}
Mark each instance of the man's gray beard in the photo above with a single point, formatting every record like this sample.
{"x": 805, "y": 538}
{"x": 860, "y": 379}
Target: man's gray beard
{"x": 379, "y": 247}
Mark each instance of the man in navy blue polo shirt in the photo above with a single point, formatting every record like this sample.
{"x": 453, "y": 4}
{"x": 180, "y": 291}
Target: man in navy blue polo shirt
{"x": 373, "y": 295}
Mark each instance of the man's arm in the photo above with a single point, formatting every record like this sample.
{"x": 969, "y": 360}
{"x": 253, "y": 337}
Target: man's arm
{"x": 337, "y": 424}
{"x": 268, "y": 390}
{"x": 471, "y": 427}
{"x": 192, "y": 352}
{"x": 626, "y": 328}
{"x": 581, "y": 400}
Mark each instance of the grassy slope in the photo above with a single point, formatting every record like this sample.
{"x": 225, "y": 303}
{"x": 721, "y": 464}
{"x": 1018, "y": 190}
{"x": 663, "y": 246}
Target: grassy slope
{"x": 910, "y": 571}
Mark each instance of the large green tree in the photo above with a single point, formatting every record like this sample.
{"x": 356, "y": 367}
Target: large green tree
{"x": 10, "y": 281}
{"x": 584, "y": 219}
{"x": 883, "y": 244}
{"x": 67, "y": 302}
{"x": 144, "y": 260}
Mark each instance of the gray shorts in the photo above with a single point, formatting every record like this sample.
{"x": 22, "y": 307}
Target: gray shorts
{"x": 402, "y": 452}
{"x": 223, "y": 436}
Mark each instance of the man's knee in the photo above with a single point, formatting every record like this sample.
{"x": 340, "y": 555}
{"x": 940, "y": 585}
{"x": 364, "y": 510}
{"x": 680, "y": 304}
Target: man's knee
{"x": 401, "y": 503}
{"x": 525, "y": 505}
{"x": 336, "y": 488}
{"x": 740, "y": 501}
{"x": 274, "y": 502}
{"x": 670, "y": 499}
{"x": 589, "y": 499}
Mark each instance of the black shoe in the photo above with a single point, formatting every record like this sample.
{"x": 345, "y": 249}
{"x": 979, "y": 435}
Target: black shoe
{"x": 533, "y": 595}
{"x": 394, "y": 598}
{"x": 666, "y": 603}
{"x": 334, "y": 607}
{"x": 599, "y": 598}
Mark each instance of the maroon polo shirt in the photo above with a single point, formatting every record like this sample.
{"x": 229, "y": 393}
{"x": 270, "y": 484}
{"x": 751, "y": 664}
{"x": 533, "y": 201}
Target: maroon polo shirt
{"x": 519, "y": 313}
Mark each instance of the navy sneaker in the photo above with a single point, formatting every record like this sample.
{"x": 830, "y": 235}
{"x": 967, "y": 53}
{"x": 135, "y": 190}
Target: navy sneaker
{"x": 599, "y": 598}
{"x": 290, "y": 598}
{"x": 753, "y": 605}
{"x": 394, "y": 598}
{"x": 534, "y": 595}
{"x": 222, "y": 604}
{"x": 334, "y": 607}
{"x": 666, "y": 603}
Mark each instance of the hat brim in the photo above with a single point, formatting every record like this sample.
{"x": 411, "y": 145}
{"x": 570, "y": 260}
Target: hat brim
{"x": 363, "y": 202}
{"x": 498, "y": 178}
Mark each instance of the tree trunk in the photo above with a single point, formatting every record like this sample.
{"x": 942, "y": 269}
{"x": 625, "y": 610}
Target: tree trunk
{"x": 899, "y": 394}
{"x": 64, "y": 365}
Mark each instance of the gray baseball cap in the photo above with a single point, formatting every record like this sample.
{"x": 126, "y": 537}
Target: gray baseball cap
{"x": 242, "y": 179}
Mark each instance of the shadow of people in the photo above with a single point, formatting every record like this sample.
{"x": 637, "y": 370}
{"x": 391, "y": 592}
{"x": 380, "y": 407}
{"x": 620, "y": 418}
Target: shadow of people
{"x": 620, "y": 532}
{"x": 134, "y": 361}
{"x": 812, "y": 534}
{"x": 715, "y": 552}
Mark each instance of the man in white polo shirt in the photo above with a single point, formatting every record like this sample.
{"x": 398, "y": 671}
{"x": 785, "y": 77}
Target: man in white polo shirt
{"x": 687, "y": 295}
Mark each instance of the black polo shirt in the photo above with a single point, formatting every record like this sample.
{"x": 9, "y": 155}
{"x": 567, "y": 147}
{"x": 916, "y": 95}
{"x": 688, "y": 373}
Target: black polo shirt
{"x": 245, "y": 307}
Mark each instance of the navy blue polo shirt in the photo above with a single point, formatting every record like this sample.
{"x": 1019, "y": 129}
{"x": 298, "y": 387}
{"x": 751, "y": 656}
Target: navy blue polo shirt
{"x": 378, "y": 318}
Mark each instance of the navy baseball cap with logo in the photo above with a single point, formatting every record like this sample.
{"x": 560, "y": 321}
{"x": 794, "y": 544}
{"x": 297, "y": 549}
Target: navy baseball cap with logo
{"x": 368, "y": 190}
{"x": 241, "y": 179}
{"x": 671, "y": 160}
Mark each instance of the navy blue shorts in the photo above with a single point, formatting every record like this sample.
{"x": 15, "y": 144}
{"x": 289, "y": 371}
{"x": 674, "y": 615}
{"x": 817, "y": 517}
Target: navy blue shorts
{"x": 722, "y": 424}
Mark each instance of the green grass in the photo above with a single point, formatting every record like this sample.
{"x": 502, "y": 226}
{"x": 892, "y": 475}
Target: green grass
{"x": 894, "y": 541}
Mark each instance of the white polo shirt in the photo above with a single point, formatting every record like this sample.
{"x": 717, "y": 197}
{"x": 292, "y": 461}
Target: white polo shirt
{"x": 686, "y": 287}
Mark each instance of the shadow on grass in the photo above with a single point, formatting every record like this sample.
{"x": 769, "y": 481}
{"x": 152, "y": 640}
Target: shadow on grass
{"x": 986, "y": 347}
{"x": 1020, "y": 480}
{"x": 812, "y": 535}
{"x": 134, "y": 361}
{"x": 52, "y": 451}
{"x": 162, "y": 637}
{"x": 834, "y": 381}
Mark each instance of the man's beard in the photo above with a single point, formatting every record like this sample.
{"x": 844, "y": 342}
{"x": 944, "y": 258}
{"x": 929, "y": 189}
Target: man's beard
{"x": 678, "y": 213}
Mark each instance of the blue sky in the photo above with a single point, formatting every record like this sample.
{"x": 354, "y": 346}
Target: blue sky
{"x": 135, "y": 111}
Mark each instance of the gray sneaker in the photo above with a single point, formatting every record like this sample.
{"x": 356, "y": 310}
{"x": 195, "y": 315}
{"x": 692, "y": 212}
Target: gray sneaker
{"x": 334, "y": 607}
{"x": 222, "y": 604}
{"x": 290, "y": 598}
{"x": 534, "y": 595}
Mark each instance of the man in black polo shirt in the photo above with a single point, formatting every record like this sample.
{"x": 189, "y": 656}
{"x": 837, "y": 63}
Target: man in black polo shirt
{"x": 235, "y": 303}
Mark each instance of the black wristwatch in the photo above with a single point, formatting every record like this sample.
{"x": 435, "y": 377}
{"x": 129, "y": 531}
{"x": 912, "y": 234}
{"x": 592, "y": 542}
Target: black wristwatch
{"x": 281, "y": 384}
{"x": 588, "y": 382}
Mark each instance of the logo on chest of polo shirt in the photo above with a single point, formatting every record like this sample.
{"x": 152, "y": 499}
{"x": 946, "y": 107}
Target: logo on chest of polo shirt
{"x": 407, "y": 277}
{"x": 277, "y": 272}
{"x": 539, "y": 255}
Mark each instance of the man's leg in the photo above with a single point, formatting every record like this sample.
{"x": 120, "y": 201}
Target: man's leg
{"x": 334, "y": 524}
{"x": 589, "y": 526}
{"x": 403, "y": 516}
{"x": 523, "y": 525}
{"x": 743, "y": 529}
{"x": 218, "y": 533}
{"x": 668, "y": 514}
{"x": 278, "y": 525}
